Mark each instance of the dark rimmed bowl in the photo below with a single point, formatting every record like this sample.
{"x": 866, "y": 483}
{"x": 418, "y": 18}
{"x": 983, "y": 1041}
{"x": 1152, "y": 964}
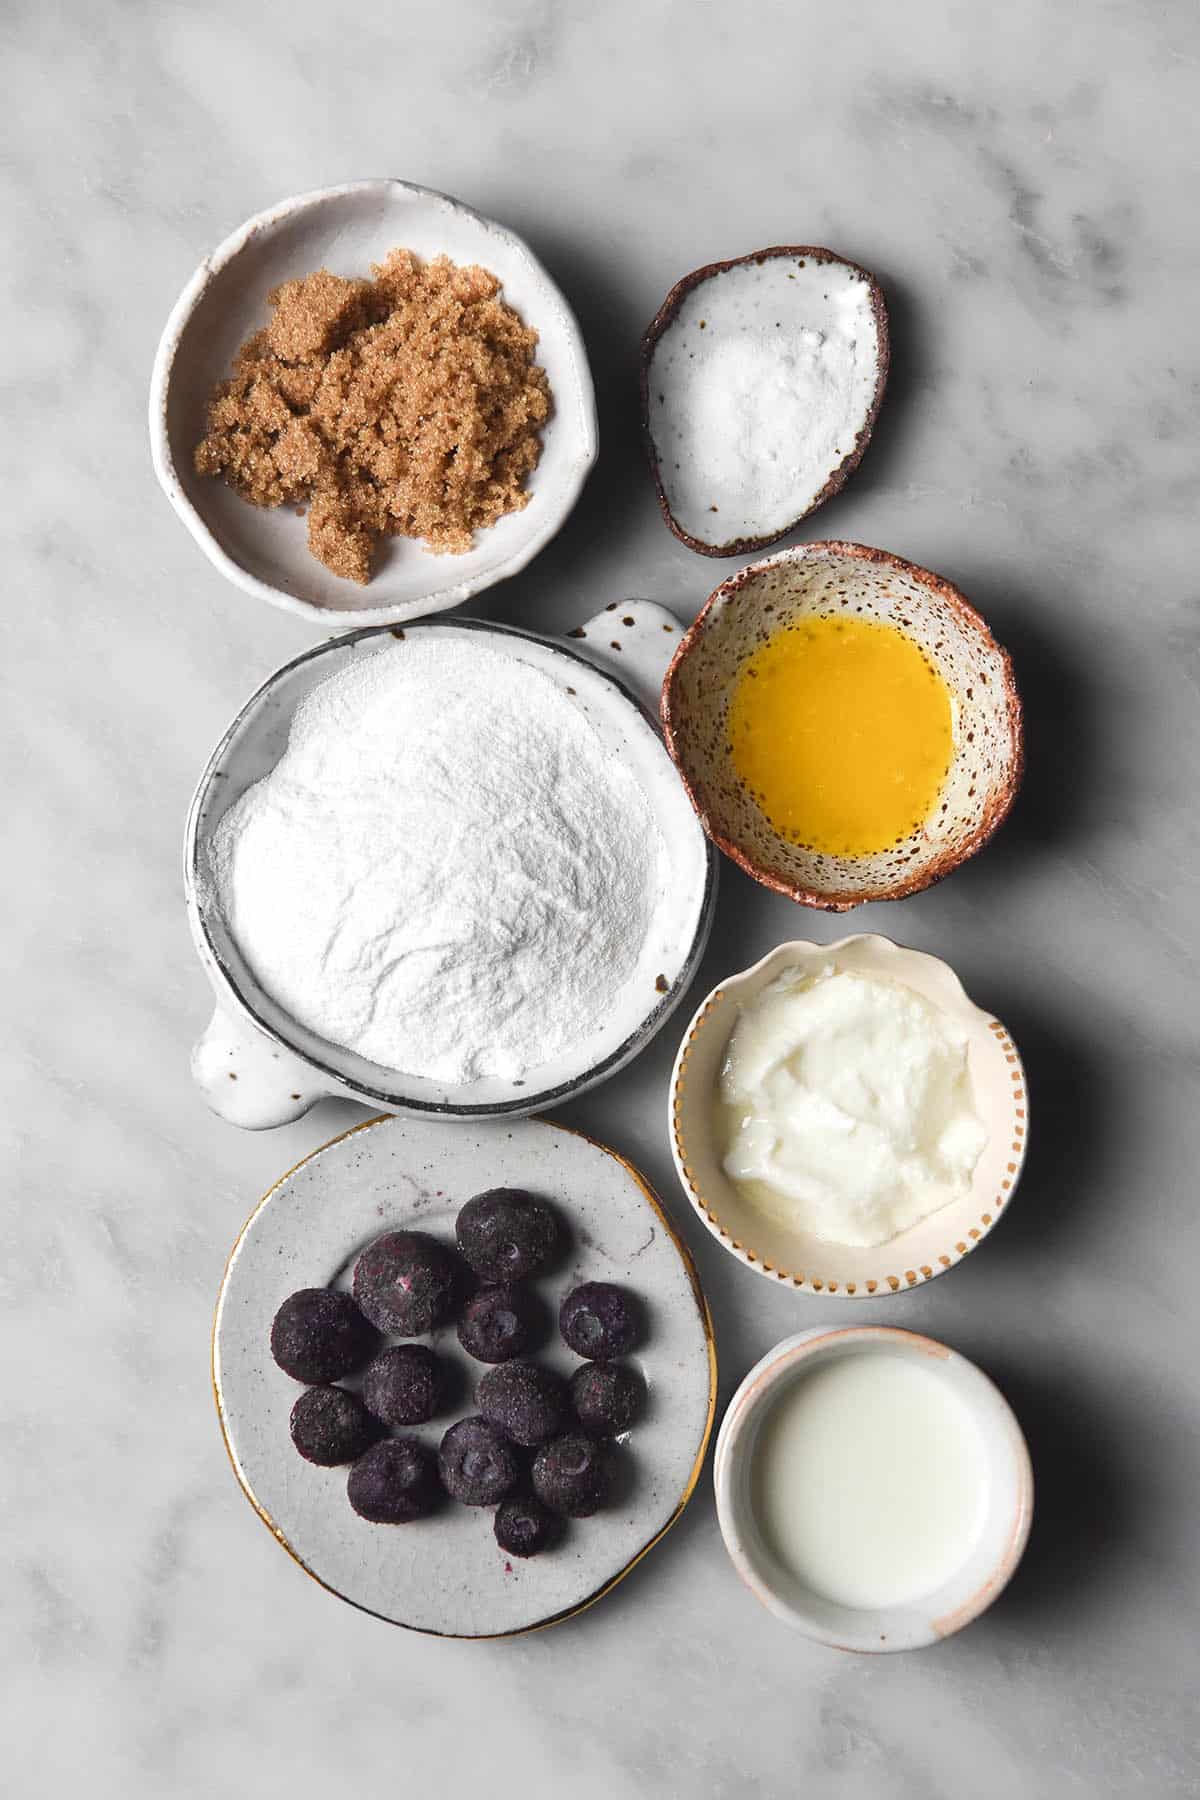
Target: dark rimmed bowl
{"x": 666, "y": 316}
{"x": 823, "y": 579}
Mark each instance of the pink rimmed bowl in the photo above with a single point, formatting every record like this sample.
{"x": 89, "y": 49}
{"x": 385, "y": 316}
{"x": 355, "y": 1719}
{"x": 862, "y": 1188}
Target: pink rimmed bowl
{"x": 1006, "y": 1517}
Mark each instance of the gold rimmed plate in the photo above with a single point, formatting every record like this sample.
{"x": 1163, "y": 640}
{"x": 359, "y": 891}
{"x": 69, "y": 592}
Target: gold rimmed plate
{"x": 445, "y": 1574}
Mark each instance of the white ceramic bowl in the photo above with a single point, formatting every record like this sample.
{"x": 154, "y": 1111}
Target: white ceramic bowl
{"x": 258, "y": 1067}
{"x": 816, "y": 1265}
{"x": 997, "y": 1550}
{"x": 346, "y": 229}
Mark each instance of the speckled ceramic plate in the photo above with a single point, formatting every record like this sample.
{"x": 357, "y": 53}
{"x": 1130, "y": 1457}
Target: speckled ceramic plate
{"x": 445, "y": 1574}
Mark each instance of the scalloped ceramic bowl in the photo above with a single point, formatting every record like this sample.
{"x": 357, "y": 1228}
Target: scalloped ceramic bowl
{"x": 346, "y": 229}
{"x": 823, "y": 579}
{"x": 796, "y": 1258}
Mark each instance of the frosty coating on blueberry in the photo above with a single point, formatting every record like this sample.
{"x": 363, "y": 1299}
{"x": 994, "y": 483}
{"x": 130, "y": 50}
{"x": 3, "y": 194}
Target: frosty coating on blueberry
{"x": 319, "y": 1334}
{"x": 571, "y": 1475}
{"x": 527, "y": 1403}
{"x": 506, "y": 1234}
{"x": 394, "y": 1483}
{"x": 477, "y": 1465}
{"x": 524, "y": 1526}
{"x": 402, "y": 1384}
{"x": 497, "y": 1323}
{"x": 330, "y": 1426}
{"x": 406, "y": 1282}
{"x": 607, "y": 1398}
{"x": 599, "y": 1321}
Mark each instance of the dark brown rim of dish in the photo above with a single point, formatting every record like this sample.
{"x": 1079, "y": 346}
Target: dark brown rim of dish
{"x": 998, "y": 803}
{"x": 666, "y": 315}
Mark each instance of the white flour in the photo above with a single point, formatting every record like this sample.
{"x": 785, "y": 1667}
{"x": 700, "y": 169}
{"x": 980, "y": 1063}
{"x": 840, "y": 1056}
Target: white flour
{"x": 447, "y": 870}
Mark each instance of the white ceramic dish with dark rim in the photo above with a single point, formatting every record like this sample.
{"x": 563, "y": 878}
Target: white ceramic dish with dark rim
{"x": 815, "y": 1265}
{"x": 258, "y": 1067}
{"x": 999, "y": 1543}
{"x": 346, "y": 229}
{"x": 832, "y": 580}
{"x": 445, "y": 1574}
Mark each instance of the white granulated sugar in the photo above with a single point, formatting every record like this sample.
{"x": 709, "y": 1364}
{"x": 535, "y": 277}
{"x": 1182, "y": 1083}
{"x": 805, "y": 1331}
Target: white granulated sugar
{"x": 758, "y": 390}
{"x": 447, "y": 871}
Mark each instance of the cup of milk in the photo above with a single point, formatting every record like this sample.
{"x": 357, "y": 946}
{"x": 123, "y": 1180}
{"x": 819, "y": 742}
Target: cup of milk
{"x": 874, "y": 1488}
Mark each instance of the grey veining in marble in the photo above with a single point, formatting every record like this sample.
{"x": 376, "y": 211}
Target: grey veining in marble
{"x": 1022, "y": 179}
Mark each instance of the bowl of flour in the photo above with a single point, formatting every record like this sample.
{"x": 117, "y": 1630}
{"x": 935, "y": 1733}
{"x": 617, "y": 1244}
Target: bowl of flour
{"x": 448, "y": 870}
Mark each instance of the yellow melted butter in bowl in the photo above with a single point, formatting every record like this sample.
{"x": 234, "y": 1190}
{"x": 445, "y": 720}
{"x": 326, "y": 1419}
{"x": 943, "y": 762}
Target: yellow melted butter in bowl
{"x": 842, "y": 731}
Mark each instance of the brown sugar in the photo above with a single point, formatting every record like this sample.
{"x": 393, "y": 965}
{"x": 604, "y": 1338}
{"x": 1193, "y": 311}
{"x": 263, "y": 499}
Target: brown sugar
{"x": 408, "y": 405}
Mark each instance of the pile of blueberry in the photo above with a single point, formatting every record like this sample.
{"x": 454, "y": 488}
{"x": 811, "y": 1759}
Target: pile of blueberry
{"x": 538, "y": 1449}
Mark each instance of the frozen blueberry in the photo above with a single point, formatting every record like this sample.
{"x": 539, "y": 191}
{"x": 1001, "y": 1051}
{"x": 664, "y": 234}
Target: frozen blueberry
{"x": 319, "y": 1334}
{"x": 571, "y": 1475}
{"x": 395, "y": 1482}
{"x": 523, "y": 1526}
{"x": 477, "y": 1465}
{"x": 599, "y": 1321}
{"x": 527, "y": 1403}
{"x": 498, "y": 1322}
{"x": 506, "y": 1234}
{"x": 401, "y": 1385}
{"x": 606, "y": 1397}
{"x": 407, "y": 1282}
{"x": 330, "y": 1426}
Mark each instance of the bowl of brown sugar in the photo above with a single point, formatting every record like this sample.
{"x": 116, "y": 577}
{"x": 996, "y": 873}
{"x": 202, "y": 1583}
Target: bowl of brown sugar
{"x": 370, "y": 403}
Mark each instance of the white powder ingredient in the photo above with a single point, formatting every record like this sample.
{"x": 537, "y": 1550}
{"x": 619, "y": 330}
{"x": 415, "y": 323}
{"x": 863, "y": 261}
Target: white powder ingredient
{"x": 752, "y": 410}
{"x": 447, "y": 871}
{"x": 848, "y": 1109}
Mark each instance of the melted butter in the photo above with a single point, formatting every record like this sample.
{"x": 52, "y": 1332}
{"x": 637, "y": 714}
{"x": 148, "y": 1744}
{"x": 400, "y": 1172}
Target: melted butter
{"x": 842, "y": 730}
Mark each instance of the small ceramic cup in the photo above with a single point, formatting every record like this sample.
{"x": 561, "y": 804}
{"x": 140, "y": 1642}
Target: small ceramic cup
{"x": 347, "y": 229}
{"x": 795, "y": 1258}
{"x": 999, "y": 1542}
{"x": 851, "y": 581}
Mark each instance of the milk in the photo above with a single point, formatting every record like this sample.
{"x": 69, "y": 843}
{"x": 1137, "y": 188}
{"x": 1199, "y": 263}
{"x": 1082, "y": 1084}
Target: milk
{"x": 869, "y": 1479}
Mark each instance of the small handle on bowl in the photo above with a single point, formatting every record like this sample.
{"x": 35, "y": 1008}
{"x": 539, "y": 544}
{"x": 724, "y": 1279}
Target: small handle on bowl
{"x": 250, "y": 1080}
{"x": 634, "y": 640}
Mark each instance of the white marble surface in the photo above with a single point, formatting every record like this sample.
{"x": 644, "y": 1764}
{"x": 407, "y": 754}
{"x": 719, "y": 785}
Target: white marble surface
{"x": 1022, "y": 179}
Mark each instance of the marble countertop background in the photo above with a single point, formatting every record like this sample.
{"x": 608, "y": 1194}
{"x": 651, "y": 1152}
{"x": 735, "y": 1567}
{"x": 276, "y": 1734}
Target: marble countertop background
{"x": 1022, "y": 178}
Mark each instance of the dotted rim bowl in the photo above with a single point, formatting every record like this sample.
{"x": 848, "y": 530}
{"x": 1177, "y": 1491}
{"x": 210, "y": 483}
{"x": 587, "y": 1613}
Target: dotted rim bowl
{"x": 813, "y": 1265}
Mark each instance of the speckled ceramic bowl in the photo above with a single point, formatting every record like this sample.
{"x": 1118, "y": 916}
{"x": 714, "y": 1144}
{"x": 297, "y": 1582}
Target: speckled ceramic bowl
{"x": 815, "y": 580}
{"x": 796, "y": 1258}
{"x": 1003, "y": 1532}
{"x": 655, "y": 362}
{"x": 346, "y": 229}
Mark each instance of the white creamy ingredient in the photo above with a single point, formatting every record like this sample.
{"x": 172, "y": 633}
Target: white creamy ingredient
{"x": 847, "y": 1106}
{"x": 751, "y": 412}
{"x": 446, "y": 871}
{"x": 869, "y": 1480}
